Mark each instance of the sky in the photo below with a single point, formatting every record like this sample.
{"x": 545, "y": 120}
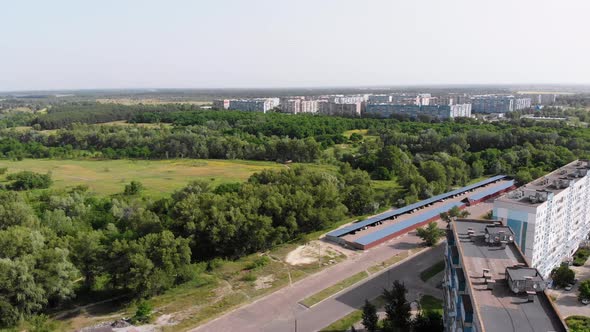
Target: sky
{"x": 62, "y": 44}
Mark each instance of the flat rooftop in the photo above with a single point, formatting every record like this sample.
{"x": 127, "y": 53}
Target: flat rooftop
{"x": 425, "y": 212}
{"x": 535, "y": 193}
{"x": 500, "y": 309}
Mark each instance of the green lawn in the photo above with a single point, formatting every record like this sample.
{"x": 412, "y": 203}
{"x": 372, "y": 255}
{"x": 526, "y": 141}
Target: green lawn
{"x": 431, "y": 303}
{"x": 345, "y": 322}
{"x": 159, "y": 177}
{"x": 327, "y": 292}
{"x": 578, "y": 323}
{"x": 432, "y": 271}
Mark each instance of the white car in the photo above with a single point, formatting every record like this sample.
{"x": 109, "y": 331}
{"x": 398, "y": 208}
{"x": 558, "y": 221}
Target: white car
{"x": 568, "y": 287}
{"x": 585, "y": 301}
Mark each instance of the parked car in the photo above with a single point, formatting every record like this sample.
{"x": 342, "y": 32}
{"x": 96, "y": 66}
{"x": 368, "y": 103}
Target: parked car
{"x": 568, "y": 287}
{"x": 585, "y": 301}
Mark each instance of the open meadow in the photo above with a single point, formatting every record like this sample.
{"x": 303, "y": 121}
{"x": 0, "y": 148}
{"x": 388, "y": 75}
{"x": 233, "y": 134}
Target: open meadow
{"x": 159, "y": 177}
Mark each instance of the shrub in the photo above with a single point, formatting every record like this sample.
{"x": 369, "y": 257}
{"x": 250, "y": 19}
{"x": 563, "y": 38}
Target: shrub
{"x": 258, "y": 263}
{"x": 578, "y": 323}
{"x": 581, "y": 256}
{"x": 563, "y": 275}
{"x": 249, "y": 277}
{"x": 3, "y": 170}
{"x": 26, "y": 180}
{"x": 143, "y": 313}
{"x": 133, "y": 188}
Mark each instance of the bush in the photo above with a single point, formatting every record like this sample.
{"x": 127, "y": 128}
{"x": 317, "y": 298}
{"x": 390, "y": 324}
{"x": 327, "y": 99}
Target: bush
{"x": 143, "y": 313}
{"x": 563, "y": 275}
{"x": 26, "y": 180}
{"x": 3, "y": 170}
{"x": 584, "y": 290}
{"x": 578, "y": 323}
{"x": 258, "y": 263}
{"x": 249, "y": 277}
{"x": 581, "y": 256}
{"x": 133, "y": 188}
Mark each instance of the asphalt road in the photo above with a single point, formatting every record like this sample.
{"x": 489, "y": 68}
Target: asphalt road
{"x": 278, "y": 311}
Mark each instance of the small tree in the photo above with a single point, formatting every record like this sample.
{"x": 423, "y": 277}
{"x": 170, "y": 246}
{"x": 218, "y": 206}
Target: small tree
{"x": 133, "y": 188}
{"x": 563, "y": 275}
{"x": 429, "y": 321}
{"x": 143, "y": 312}
{"x": 453, "y": 213}
{"x": 370, "y": 318}
{"x": 397, "y": 308}
{"x": 431, "y": 234}
{"x": 585, "y": 290}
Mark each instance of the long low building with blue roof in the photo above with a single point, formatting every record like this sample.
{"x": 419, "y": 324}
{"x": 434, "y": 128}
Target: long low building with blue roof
{"x": 385, "y": 226}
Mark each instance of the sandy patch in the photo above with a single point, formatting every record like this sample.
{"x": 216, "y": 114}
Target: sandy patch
{"x": 302, "y": 255}
{"x": 308, "y": 253}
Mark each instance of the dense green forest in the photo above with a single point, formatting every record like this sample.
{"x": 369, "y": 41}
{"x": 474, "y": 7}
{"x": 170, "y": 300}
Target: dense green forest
{"x": 56, "y": 245}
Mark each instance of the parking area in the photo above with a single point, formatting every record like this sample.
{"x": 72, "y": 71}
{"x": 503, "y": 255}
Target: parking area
{"x": 567, "y": 301}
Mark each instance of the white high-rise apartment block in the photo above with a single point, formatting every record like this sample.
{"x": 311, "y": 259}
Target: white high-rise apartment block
{"x": 309, "y": 106}
{"x": 549, "y": 216}
{"x": 292, "y": 106}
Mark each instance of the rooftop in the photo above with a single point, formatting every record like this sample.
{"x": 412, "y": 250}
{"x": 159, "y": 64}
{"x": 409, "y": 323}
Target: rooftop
{"x": 418, "y": 212}
{"x": 538, "y": 191}
{"x": 499, "y": 309}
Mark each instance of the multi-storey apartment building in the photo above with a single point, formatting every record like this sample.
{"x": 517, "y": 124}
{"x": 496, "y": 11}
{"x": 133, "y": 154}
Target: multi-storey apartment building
{"x": 340, "y": 109}
{"x": 386, "y": 110}
{"x": 221, "y": 104}
{"x": 309, "y": 106}
{"x": 378, "y": 99}
{"x": 522, "y": 103}
{"x": 492, "y": 104}
{"x": 423, "y": 99}
{"x": 549, "y": 216}
{"x": 292, "y": 106}
{"x": 488, "y": 284}
{"x": 498, "y": 104}
{"x": 254, "y": 104}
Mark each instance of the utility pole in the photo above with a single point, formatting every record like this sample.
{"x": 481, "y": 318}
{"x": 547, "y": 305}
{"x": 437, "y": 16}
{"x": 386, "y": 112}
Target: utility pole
{"x": 295, "y": 324}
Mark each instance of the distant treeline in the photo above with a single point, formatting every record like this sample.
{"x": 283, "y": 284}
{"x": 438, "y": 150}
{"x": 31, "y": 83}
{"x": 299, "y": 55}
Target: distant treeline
{"x": 63, "y": 115}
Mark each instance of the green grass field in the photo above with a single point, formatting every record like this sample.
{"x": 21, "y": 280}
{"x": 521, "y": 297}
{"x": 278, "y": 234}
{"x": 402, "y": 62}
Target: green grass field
{"x": 158, "y": 177}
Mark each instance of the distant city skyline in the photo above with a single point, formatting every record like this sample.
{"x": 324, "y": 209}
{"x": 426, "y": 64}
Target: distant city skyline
{"x": 70, "y": 45}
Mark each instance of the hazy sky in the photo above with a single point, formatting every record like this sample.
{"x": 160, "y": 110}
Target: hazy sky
{"x": 62, "y": 44}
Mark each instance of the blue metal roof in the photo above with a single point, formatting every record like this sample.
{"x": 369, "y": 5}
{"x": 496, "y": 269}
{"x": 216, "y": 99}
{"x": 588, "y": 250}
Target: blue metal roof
{"x": 491, "y": 190}
{"x": 372, "y": 237}
{"x": 387, "y": 215}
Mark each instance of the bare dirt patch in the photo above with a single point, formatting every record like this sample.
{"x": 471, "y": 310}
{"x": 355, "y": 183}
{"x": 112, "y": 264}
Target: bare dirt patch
{"x": 264, "y": 282}
{"x": 309, "y": 253}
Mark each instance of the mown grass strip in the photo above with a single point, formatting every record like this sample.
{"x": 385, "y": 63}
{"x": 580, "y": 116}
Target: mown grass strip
{"x": 431, "y": 303}
{"x": 344, "y": 323}
{"x": 327, "y": 292}
{"x": 432, "y": 271}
